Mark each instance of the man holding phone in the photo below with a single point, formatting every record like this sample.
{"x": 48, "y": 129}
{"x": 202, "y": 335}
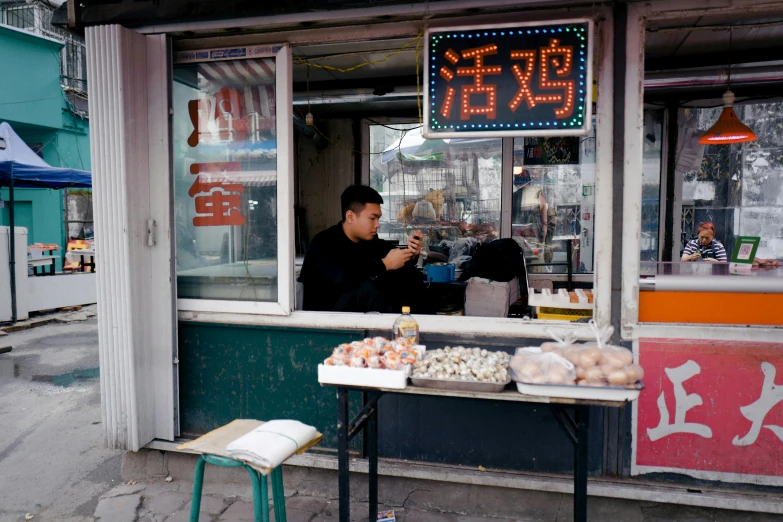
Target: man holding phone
{"x": 349, "y": 268}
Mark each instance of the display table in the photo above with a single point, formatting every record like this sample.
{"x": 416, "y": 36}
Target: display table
{"x": 571, "y": 414}
{"x": 43, "y": 262}
{"x": 80, "y": 255}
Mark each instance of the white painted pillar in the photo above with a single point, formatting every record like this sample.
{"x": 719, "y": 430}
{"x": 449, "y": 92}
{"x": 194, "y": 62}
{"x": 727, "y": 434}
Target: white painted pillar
{"x": 129, "y": 138}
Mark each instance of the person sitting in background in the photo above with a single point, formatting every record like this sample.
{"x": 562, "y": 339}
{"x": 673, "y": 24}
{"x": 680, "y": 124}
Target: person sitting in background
{"x": 705, "y": 247}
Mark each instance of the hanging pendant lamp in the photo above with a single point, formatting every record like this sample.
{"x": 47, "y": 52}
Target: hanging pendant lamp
{"x": 728, "y": 128}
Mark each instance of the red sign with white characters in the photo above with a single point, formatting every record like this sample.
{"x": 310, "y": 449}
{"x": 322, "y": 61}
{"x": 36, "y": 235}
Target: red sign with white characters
{"x": 713, "y": 407}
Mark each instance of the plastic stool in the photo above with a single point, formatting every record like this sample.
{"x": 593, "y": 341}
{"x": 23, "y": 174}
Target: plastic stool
{"x": 260, "y": 488}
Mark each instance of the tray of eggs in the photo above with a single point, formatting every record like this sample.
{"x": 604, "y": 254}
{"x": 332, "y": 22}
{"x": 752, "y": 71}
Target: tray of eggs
{"x": 579, "y": 371}
{"x": 374, "y": 362}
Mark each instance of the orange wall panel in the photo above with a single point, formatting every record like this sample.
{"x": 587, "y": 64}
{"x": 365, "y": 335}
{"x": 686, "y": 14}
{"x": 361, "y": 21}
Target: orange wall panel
{"x": 711, "y": 308}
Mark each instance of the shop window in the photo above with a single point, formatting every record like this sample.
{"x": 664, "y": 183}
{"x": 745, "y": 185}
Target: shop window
{"x": 737, "y": 187}
{"x": 553, "y": 202}
{"x": 649, "y": 240}
{"x": 452, "y": 190}
{"x": 226, "y": 180}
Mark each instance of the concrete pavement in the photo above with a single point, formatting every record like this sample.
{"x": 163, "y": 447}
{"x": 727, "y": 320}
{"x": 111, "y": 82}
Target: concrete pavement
{"x": 53, "y": 461}
{"x": 156, "y": 500}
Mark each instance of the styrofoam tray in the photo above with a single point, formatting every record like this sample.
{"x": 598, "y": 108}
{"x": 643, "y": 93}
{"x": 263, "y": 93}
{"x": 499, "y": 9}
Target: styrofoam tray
{"x": 363, "y": 377}
{"x": 597, "y": 393}
{"x": 560, "y": 299}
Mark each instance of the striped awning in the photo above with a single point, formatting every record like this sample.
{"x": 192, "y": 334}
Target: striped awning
{"x": 248, "y": 178}
{"x": 252, "y": 80}
{"x": 239, "y": 73}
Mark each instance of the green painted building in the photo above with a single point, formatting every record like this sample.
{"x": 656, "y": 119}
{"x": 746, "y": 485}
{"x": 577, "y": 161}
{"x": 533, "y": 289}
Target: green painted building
{"x": 34, "y": 102}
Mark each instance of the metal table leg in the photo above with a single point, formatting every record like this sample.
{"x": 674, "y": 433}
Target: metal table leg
{"x": 582, "y": 414}
{"x": 343, "y": 476}
{"x": 371, "y": 435}
{"x": 576, "y": 426}
{"x": 366, "y": 422}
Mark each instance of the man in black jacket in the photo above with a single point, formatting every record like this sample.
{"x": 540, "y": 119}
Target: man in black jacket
{"x": 349, "y": 268}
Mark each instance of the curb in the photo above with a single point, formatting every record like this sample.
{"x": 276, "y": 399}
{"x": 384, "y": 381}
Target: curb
{"x": 26, "y": 326}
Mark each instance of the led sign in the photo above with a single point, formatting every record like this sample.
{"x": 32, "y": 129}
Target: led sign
{"x": 527, "y": 79}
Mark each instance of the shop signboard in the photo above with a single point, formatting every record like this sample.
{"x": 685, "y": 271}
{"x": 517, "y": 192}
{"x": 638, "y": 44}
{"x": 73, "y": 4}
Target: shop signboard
{"x": 710, "y": 409}
{"x": 527, "y": 79}
{"x": 745, "y": 248}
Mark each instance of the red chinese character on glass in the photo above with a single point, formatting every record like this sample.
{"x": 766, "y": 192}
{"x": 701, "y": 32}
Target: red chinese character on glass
{"x": 230, "y": 115}
{"x": 229, "y": 118}
{"x": 221, "y": 199}
{"x": 478, "y": 87}
{"x": 199, "y": 112}
{"x": 554, "y": 58}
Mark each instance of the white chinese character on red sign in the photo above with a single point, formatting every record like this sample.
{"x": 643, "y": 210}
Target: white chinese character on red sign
{"x": 756, "y": 412}
{"x": 682, "y": 403}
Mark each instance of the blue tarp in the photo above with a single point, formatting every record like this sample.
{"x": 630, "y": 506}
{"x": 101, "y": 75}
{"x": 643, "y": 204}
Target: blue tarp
{"x": 29, "y": 170}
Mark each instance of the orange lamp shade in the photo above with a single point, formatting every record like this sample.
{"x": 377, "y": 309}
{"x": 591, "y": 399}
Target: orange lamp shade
{"x": 728, "y": 128}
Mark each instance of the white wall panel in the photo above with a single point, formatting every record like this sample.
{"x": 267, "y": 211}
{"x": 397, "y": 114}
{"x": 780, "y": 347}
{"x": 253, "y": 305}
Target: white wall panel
{"x": 127, "y": 74}
{"x": 324, "y": 174}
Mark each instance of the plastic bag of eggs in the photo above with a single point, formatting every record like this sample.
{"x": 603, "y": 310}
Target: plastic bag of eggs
{"x": 463, "y": 364}
{"x": 533, "y": 366}
{"x": 592, "y": 365}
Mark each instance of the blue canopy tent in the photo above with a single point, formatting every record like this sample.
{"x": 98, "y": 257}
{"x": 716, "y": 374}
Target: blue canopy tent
{"x": 20, "y": 167}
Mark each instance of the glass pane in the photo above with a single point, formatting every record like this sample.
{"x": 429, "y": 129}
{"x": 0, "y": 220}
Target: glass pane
{"x": 225, "y": 180}
{"x": 651, "y": 183}
{"x": 737, "y": 187}
{"x": 448, "y": 188}
{"x": 553, "y": 202}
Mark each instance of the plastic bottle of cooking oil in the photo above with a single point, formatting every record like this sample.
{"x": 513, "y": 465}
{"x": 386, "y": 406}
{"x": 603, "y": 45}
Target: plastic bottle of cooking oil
{"x": 406, "y": 326}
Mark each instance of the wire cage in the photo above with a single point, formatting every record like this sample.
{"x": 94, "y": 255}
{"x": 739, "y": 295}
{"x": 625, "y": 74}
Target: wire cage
{"x": 443, "y": 198}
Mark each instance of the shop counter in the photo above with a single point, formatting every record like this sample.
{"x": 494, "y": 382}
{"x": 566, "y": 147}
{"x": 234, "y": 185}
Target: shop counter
{"x": 710, "y": 293}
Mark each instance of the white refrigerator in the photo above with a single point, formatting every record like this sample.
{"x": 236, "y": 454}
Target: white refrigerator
{"x": 5, "y": 274}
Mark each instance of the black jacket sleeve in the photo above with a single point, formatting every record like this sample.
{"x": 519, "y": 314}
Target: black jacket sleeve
{"x": 329, "y": 270}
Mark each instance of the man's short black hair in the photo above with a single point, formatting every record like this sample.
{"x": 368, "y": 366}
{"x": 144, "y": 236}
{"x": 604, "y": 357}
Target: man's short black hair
{"x": 356, "y": 197}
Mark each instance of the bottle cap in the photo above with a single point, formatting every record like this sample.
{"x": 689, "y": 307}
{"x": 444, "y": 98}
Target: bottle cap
{"x": 406, "y": 309}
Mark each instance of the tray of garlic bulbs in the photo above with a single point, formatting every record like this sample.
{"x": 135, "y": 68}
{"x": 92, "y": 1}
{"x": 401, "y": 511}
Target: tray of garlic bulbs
{"x": 462, "y": 369}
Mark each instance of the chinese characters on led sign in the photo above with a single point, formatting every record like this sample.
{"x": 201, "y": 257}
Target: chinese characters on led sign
{"x": 521, "y": 80}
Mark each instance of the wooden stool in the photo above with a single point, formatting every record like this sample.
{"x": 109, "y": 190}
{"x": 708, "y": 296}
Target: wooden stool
{"x": 211, "y": 449}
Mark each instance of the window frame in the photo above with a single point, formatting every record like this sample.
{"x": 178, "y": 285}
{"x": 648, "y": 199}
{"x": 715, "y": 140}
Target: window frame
{"x": 285, "y": 201}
